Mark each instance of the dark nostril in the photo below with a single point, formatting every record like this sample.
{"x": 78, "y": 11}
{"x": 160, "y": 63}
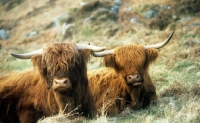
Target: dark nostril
{"x": 129, "y": 77}
{"x": 138, "y": 76}
{"x": 66, "y": 81}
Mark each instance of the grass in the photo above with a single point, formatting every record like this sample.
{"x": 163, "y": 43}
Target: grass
{"x": 184, "y": 71}
{"x": 16, "y": 65}
{"x": 88, "y": 32}
{"x": 178, "y": 88}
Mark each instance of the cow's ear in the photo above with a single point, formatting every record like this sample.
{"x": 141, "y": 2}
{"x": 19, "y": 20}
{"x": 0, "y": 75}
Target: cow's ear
{"x": 86, "y": 54}
{"x": 151, "y": 56}
{"x": 110, "y": 61}
{"x": 38, "y": 64}
{"x": 36, "y": 60}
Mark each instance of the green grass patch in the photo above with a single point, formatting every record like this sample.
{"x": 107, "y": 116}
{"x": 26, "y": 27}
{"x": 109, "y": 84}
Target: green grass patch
{"x": 17, "y": 64}
{"x": 185, "y": 71}
{"x": 186, "y": 36}
{"x": 181, "y": 66}
{"x": 88, "y": 32}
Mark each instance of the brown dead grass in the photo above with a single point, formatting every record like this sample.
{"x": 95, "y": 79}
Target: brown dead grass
{"x": 30, "y": 15}
{"x": 28, "y": 6}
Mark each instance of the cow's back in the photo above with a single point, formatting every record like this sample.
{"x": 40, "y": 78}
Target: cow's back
{"x": 22, "y": 90}
{"x": 109, "y": 90}
{"x": 11, "y": 89}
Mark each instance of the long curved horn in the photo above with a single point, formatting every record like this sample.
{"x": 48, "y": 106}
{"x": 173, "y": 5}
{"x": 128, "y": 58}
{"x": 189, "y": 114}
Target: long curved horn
{"x": 28, "y": 55}
{"x": 159, "y": 45}
{"x": 90, "y": 47}
{"x": 40, "y": 51}
{"x": 103, "y": 53}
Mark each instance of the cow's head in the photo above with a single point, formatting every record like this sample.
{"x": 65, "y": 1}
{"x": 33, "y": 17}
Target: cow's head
{"x": 132, "y": 61}
{"x": 61, "y": 64}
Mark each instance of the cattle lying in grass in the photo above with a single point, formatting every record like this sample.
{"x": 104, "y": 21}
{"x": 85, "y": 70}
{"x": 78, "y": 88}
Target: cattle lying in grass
{"x": 126, "y": 81}
{"x": 58, "y": 83}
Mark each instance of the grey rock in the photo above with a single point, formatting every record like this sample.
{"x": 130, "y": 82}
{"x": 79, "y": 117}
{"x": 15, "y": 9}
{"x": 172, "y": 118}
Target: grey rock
{"x": 115, "y": 9}
{"x": 134, "y": 20}
{"x": 151, "y": 14}
{"x": 33, "y": 33}
{"x": 83, "y": 3}
{"x": 128, "y": 9}
{"x": 174, "y": 16}
{"x": 4, "y": 35}
{"x": 166, "y": 7}
{"x": 117, "y": 2}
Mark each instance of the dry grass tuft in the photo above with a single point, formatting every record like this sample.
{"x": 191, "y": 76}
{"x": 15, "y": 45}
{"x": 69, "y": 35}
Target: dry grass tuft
{"x": 195, "y": 89}
{"x": 61, "y": 118}
{"x": 70, "y": 117}
{"x": 174, "y": 89}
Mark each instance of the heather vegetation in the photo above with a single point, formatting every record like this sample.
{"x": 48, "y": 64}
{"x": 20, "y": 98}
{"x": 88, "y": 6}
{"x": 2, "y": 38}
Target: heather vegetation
{"x": 28, "y": 25}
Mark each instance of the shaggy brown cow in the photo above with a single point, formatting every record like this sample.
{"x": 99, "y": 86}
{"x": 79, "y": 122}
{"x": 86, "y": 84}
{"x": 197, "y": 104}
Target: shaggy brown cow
{"x": 126, "y": 81}
{"x": 58, "y": 83}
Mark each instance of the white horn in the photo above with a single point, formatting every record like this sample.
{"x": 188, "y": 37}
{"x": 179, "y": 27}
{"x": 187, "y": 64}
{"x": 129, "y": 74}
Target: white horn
{"x": 28, "y": 55}
{"x": 40, "y": 51}
{"x": 103, "y": 53}
{"x": 159, "y": 45}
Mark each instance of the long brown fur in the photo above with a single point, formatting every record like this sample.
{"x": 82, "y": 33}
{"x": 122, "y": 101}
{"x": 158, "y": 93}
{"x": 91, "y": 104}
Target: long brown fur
{"x": 27, "y": 96}
{"x": 109, "y": 84}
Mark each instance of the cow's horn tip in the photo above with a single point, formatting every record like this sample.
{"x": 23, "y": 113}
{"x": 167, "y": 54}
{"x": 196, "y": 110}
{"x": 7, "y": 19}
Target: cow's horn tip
{"x": 13, "y": 54}
{"x": 18, "y": 56}
{"x": 103, "y": 48}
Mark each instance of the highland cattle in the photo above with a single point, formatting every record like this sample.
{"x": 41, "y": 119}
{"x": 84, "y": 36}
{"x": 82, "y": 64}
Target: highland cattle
{"x": 125, "y": 82}
{"x": 57, "y": 83}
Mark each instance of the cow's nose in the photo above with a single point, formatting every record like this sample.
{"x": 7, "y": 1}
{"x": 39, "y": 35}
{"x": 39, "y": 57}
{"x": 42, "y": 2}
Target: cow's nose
{"x": 61, "y": 82}
{"x": 134, "y": 78}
